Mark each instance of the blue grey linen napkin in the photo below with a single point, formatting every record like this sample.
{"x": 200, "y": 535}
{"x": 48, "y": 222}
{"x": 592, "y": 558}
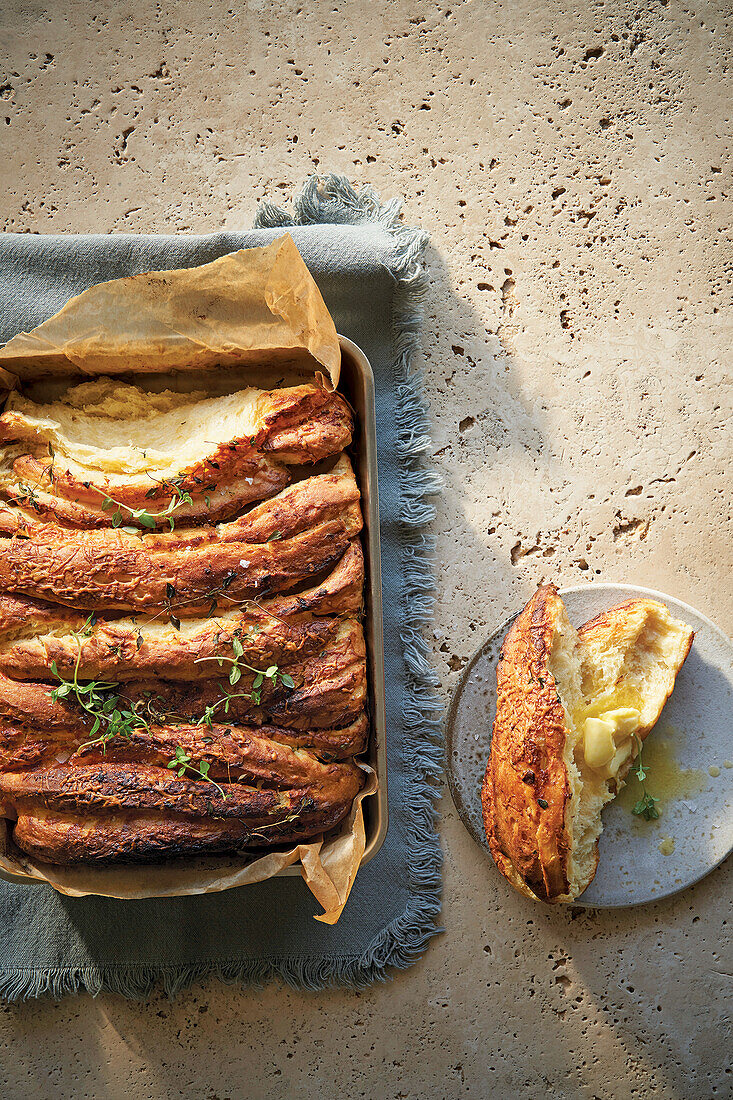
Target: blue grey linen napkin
{"x": 368, "y": 267}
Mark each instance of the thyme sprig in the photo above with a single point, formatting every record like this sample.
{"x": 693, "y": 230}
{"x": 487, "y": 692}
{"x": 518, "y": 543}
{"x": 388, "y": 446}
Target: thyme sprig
{"x": 99, "y": 699}
{"x": 110, "y": 713}
{"x": 306, "y": 803}
{"x": 143, "y": 515}
{"x": 182, "y": 763}
{"x": 273, "y": 673}
{"x": 646, "y": 806}
{"x": 28, "y": 494}
{"x": 210, "y": 710}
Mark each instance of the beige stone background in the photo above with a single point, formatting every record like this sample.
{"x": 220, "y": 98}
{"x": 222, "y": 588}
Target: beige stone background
{"x": 571, "y": 163}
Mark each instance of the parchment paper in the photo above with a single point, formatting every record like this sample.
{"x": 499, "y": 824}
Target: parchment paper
{"x": 254, "y": 307}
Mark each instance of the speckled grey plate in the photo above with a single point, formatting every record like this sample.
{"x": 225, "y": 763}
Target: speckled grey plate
{"x": 698, "y": 720}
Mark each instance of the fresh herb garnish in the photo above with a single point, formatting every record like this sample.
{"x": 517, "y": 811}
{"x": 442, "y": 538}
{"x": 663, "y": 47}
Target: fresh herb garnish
{"x": 26, "y": 494}
{"x": 99, "y": 699}
{"x": 145, "y": 517}
{"x": 113, "y": 717}
{"x": 273, "y": 673}
{"x": 646, "y": 806}
{"x": 305, "y": 803}
{"x": 182, "y": 763}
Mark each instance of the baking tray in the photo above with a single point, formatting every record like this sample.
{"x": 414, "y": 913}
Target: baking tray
{"x": 357, "y": 385}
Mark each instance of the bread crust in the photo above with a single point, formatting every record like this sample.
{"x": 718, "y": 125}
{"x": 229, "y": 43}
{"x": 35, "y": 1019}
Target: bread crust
{"x": 279, "y": 543}
{"x": 340, "y": 592}
{"x": 44, "y": 494}
{"x": 149, "y": 837}
{"x": 528, "y": 840}
{"x": 329, "y": 691}
{"x": 112, "y": 787}
{"x": 25, "y": 747}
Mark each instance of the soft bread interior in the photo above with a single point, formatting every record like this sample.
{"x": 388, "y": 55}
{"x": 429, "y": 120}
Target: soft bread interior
{"x": 119, "y": 430}
{"x": 617, "y": 670}
{"x": 588, "y": 794}
{"x": 630, "y": 657}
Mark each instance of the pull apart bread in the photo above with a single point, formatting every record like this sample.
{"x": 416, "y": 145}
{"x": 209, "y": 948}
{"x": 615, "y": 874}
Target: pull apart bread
{"x": 215, "y": 697}
{"x": 110, "y": 441}
{"x": 570, "y": 708}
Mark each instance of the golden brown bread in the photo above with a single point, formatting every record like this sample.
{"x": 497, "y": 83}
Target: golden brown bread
{"x": 293, "y": 536}
{"x": 526, "y": 789}
{"x": 144, "y": 450}
{"x": 108, "y": 786}
{"x": 179, "y": 811}
{"x": 339, "y": 592}
{"x": 233, "y": 754}
{"x": 266, "y": 761}
{"x": 146, "y": 836}
{"x": 329, "y": 691}
{"x": 544, "y": 788}
{"x": 33, "y": 634}
{"x": 31, "y": 747}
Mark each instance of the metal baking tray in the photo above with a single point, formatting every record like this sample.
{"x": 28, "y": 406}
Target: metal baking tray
{"x": 357, "y": 385}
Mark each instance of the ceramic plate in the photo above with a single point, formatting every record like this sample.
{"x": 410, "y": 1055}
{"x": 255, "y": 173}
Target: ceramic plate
{"x": 693, "y": 735}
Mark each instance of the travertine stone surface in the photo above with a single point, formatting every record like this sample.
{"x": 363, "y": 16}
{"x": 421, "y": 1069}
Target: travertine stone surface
{"x": 570, "y": 162}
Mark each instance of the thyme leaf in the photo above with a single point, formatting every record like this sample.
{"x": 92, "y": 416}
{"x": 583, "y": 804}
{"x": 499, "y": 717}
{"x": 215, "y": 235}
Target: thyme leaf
{"x": 305, "y": 803}
{"x": 145, "y": 517}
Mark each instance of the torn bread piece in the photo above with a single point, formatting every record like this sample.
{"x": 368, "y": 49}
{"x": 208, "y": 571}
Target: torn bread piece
{"x": 107, "y": 448}
{"x": 275, "y": 546}
{"x": 570, "y": 708}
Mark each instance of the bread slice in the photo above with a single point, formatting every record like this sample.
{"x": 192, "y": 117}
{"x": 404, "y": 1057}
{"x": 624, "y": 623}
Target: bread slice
{"x": 108, "y": 439}
{"x": 329, "y": 691}
{"x": 64, "y": 739}
{"x": 277, "y": 545}
{"x": 68, "y": 815}
{"x": 560, "y": 693}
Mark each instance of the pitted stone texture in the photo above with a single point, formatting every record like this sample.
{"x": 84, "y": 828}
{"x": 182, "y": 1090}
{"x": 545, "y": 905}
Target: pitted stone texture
{"x": 571, "y": 164}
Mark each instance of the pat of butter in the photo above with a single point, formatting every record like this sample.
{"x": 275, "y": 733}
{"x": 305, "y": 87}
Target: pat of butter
{"x": 598, "y": 742}
{"x": 625, "y": 720}
{"x": 606, "y": 739}
{"x": 620, "y": 757}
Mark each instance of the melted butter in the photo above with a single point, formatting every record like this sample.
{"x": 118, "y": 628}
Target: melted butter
{"x": 618, "y": 699}
{"x": 665, "y": 780}
{"x": 714, "y": 770}
{"x": 666, "y": 845}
